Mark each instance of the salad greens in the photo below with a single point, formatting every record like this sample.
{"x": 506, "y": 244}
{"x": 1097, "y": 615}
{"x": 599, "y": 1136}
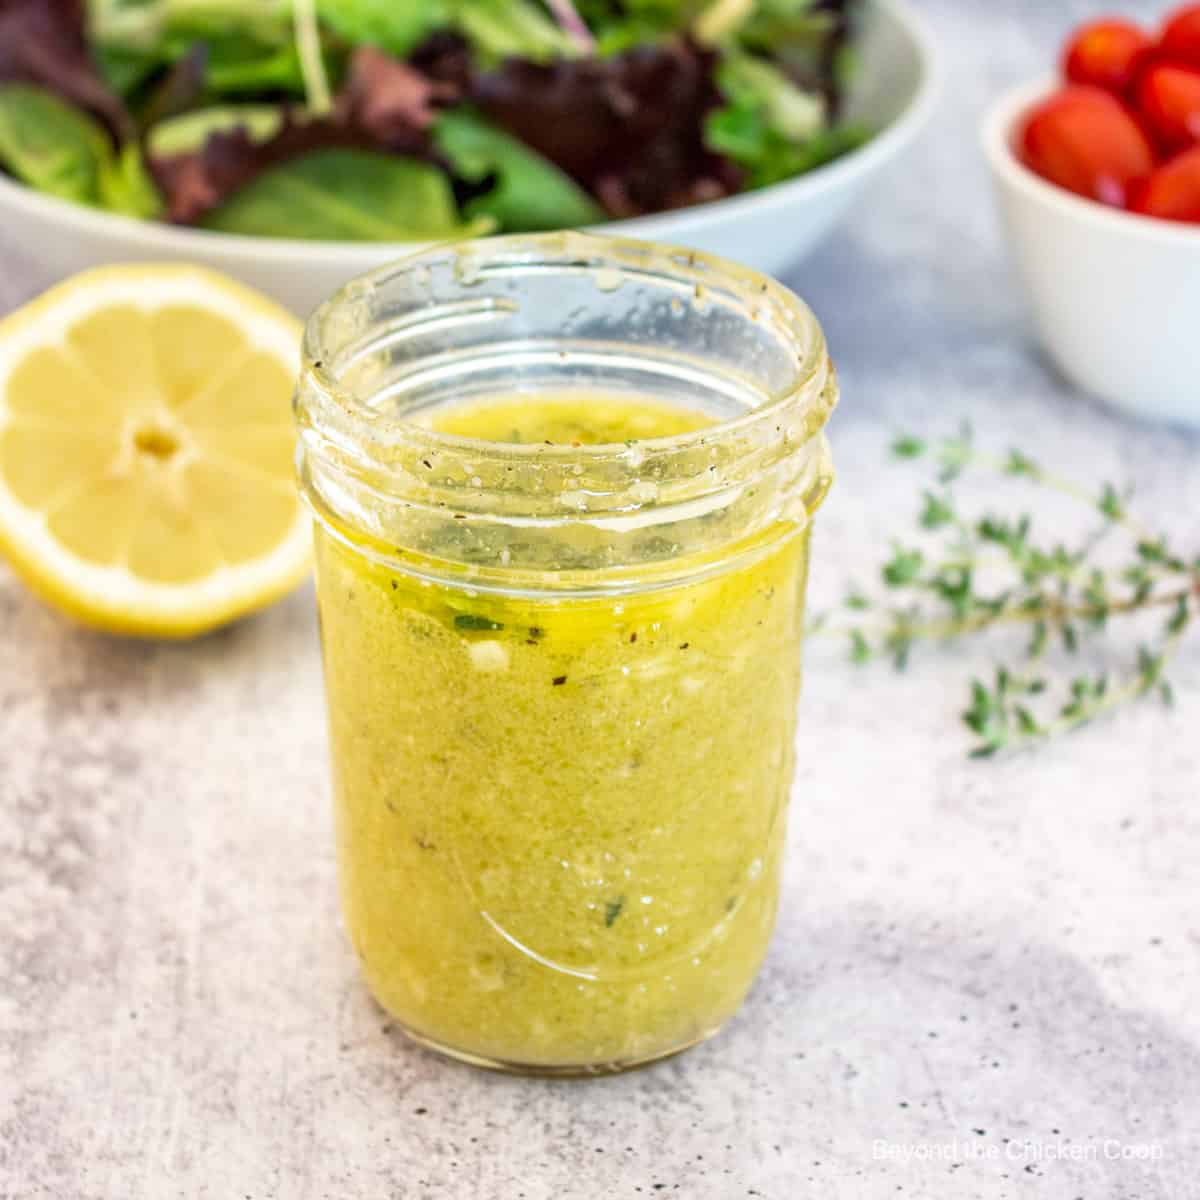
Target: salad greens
{"x": 500, "y": 29}
{"x": 188, "y": 132}
{"x": 250, "y": 44}
{"x": 347, "y": 195}
{"x": 67, "y": 153}
{"x": 50, "y": 145}
{"x": 527, "y": 192}
{"x": 392, "y": 25}
{"x": 771, "y": 128}
{"x": 126, "y": 185}
{"x": 423, "y": 119}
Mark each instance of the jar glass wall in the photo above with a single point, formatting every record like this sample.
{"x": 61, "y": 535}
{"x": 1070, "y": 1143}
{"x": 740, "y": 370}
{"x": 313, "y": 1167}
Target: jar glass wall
{"x": 562, "y": 674}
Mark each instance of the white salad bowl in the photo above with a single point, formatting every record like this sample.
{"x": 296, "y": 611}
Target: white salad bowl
{"x": 1115, "y": 297}
{"x": 767, "y": 229}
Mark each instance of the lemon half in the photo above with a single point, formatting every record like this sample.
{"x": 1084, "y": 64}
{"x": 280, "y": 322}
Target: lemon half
{"x": 146, "y": 445}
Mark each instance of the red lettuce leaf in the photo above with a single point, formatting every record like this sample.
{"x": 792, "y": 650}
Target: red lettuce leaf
{"x": 629, "y": 128}
{"x": 390, "y": 101}
{"x": 44, "y": 42}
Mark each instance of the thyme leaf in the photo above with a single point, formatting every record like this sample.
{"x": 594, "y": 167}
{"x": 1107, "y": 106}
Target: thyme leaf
{"x": 1060, "y": 592}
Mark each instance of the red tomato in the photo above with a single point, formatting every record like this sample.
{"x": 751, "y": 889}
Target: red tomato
{"x": 1173, "y": 191}
{"x": 1105, "y": 54}
{"x": 1083, "y": 140}
{"x": 1168, "y": 98}
{"x": 1180, "y": 40}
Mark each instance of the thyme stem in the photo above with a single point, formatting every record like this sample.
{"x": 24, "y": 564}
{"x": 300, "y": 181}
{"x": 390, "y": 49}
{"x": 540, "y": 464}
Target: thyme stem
{"x": 935, "y": 595}
{"x": 944, "y": 630}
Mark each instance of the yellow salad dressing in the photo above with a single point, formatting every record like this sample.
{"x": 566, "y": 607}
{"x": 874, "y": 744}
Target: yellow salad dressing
{"x": 560, "y": 818}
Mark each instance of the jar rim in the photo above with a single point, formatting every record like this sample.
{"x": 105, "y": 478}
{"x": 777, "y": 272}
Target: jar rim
{"x": 419, "y": 334}
{"x": 792, "y": 320}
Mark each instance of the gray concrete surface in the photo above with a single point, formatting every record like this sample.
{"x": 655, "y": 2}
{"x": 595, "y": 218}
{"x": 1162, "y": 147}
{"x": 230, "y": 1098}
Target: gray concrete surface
{"x": 980, "y": 971}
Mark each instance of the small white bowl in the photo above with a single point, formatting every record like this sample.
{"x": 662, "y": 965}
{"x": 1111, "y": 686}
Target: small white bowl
{"x": 767, "y": 230}
{"x": 1115, "y": 296}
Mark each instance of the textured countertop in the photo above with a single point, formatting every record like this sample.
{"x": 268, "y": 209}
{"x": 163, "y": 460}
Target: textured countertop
{"x": 985, "y": 976}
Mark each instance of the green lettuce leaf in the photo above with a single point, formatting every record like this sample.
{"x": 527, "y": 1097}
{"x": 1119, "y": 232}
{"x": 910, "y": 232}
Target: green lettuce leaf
{"x": 187, "y": 132}
{"x": 769, "y": 127}
{"x": 250, "y": 44}
{"x": 238, "y": 68}
{"x": 755, "y": 85}
{"x": 171, "y": 27}
{"x": 397, "y": 26}
{"x": 500, "y": 29}
{"x": 64, "y": 152}
{"x": 765, "y": 155}
{"x": 528, "y": 191}
{"x": 769, "y": 26}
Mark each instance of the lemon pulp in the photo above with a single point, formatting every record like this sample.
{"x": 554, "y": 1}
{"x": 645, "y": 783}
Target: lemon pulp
{"x": 146, "y": 446}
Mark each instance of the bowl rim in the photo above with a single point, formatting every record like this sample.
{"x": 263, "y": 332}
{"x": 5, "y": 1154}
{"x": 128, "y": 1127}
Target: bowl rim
{"x": 997, "y": 130}
{"x": 156, "y": 236}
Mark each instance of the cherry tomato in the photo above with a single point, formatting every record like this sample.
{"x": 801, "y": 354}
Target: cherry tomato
{"x": 1172, "y": 191}
{"x": 1105, "y": 54}
{"x": 1168, "y": 98}
{"x": 1083, "y": 139}
{"x": 1180, "y": 40}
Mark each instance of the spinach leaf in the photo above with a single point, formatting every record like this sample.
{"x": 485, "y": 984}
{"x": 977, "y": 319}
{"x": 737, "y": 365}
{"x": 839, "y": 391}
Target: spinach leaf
{"x": 397, "y": 26}
{"x": 51, "y": 146}
{"x": 347, "y": 195}
{"x": 529, "y": 192}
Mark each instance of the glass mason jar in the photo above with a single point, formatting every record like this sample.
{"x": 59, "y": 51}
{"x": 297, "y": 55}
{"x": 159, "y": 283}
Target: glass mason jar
{"x": 562, "y": 678}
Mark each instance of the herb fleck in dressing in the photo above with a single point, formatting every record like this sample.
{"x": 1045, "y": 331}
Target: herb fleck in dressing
{"x": 560, "y": 820}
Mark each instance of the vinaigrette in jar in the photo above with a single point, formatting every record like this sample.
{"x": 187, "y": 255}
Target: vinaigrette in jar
{"x": 561, "y": 626}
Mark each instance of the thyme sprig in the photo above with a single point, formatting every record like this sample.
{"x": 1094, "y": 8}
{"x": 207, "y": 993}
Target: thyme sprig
{"x": 970, "y": 574}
